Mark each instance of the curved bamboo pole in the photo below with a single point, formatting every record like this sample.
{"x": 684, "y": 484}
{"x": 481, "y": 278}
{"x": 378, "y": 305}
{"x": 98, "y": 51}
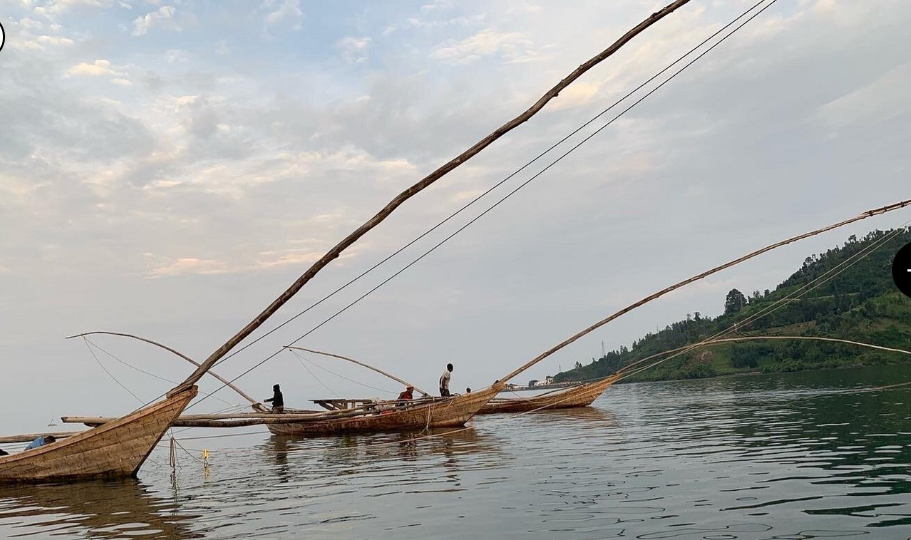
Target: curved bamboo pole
{"x": 352, "y": 360}
{"x": 418, "y": 187}
{"x": 256, "y": 405}
{"x": 602, "y": 322}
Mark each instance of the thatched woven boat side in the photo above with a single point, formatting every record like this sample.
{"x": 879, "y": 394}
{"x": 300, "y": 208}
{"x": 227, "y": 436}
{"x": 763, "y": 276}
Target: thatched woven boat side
{"x": 116, "y": 449}
{"x": 577, "y": 396}
{"x": 448, "y": 412}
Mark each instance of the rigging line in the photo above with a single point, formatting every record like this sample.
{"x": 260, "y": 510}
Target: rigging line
{"x": 710, "y": 342}
{"x": 124, "y": 362}
{"x": 314, "y": 364}
{"x": 498, "y": 184}
{"x": 774, "y": 307}
{"x": 327, "y": 258}
{"x": 314, "y": 375}
{"x": 128, "y": 364}
{"x": 586, "y": 139}
{"x": 89, "y": 345}
{"x": 778, "y": 305}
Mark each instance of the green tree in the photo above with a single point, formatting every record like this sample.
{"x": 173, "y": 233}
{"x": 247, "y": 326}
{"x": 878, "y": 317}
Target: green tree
{"x": 734, "y": 302}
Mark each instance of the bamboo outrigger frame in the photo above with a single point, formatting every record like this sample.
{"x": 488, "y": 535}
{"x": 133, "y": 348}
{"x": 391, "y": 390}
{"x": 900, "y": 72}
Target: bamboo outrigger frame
{"x": 579, "y": 395}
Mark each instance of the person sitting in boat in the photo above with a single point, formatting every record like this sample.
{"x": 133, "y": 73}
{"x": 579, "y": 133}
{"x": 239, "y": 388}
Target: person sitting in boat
{"x": 444, "y": 381}
{"x": 407, "y": 394}
{"x": 278, "y": 402}
{"x": 41, "y": 441}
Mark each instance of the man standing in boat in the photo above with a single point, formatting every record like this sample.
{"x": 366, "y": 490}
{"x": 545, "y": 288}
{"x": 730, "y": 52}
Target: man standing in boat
{"x": 278, "y": 402}
{"x": 444, "y": 381}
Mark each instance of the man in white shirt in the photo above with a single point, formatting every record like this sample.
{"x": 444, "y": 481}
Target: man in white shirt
{"x": 444, "y": 381}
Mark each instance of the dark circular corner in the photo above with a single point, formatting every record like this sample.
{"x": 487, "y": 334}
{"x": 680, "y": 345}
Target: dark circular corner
{"x": 901, "y": 270}
{"x": 2, "y": 36}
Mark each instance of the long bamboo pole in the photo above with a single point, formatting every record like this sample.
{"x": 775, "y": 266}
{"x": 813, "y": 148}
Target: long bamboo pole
{"x": 256, "y": 404}
{"x": 662, "y": 292}
{"x": 418, "y": 187}
{"x": 352, "y": 360}
{"x": 31, "y": 437}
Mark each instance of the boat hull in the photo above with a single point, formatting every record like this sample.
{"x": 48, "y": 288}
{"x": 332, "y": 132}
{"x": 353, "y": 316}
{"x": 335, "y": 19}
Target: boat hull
{"x": 114, "y": 450}
{"x": 577, "y": 396}
{"x": 450, "y": 412}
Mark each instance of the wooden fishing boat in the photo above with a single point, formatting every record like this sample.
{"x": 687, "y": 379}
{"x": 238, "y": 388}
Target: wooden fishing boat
{"x": 376, "y": 416}
{"x": 419, "y": 414}
{"x": 581, "y": 395}
{"x": 116, "y": 449}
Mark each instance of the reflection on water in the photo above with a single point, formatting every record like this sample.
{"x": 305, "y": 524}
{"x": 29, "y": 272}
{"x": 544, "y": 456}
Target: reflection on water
{"x": 92, "y": 509}
{"x": 796, "y": 456}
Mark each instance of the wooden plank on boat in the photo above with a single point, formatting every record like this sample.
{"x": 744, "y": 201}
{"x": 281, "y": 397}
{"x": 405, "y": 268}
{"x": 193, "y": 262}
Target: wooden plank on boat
{"x": 29, "y": 437}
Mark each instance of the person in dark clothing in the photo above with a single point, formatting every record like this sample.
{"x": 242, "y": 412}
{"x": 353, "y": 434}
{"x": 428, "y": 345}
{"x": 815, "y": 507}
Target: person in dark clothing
{"x": 278, "y": 402}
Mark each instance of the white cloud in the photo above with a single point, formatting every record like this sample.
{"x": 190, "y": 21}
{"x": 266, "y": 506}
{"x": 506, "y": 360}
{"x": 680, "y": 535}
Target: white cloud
{"x": 882, "y": 99}
{"x": 98, "y": 68}
{"x": 288, "y": 13}
{"x": 579, "y": 93}
{"x": 122, "y": 82}
{"x": 175, "y": 56}
{"x": 525, "y": 8}
{"x": 436, "y": 5}
{"x": 142, "y": 25}
{"x": 186, "y": 265}
{"x": 354, "y": 50}
{"x": 513, "y": 46}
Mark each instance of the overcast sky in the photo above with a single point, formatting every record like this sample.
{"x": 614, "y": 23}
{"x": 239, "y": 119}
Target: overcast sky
{"x": 168, "y": 168}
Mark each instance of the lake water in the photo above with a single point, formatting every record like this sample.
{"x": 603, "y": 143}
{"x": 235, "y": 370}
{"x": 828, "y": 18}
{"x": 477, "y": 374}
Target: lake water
{"x": 795, "y": 456}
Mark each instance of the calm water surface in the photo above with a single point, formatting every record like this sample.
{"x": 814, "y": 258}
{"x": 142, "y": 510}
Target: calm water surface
{"x": 816, "y": 455}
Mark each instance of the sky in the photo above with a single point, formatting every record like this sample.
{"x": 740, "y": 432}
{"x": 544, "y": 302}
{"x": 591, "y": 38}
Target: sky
{"x": 167, "y": 168}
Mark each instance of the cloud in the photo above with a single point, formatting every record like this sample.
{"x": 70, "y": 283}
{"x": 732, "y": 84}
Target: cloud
{"x": 41, "y": 43}
{"x": 437, "y": 5}
{"x": 98, "y": 68}
{"x": 354, "y": 50}
{"x": 513, "y": 46}
{"x": 163, "y": 17}
{"x": 176, "y": 56}
{"x": 58, "y": 7}
{"x": 883, "y": 99}
{"x": 187, "y": 265}
{"x": 579, "y": 93}
{"x": 288, "y": 13}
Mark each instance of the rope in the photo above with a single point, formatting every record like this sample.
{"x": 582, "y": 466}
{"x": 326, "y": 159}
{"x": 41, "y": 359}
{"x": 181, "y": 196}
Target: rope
{"x": 89, "y": 346}
{"x": 572, "y": 149}
{"x": 314, "y": 364}
{"x": 314, "y": 376}
{"x": 124, "y": 362}
{"x": 496, "y": 185}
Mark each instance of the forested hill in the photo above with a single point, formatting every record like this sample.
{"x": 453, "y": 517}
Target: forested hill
{"x": 861, "y": 303}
